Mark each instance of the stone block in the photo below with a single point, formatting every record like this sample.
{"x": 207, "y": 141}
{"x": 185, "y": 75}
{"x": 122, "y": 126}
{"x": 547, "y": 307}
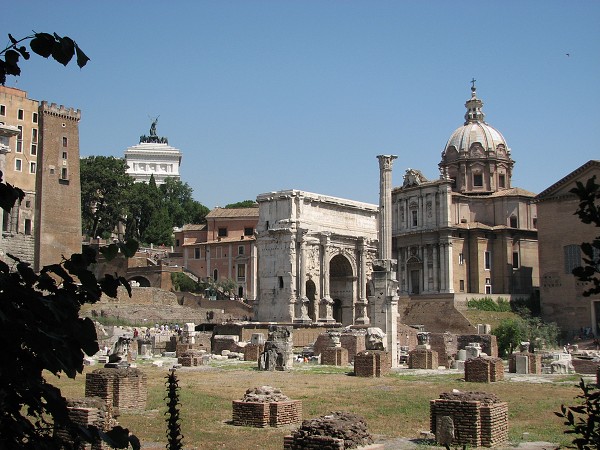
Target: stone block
{"x": 372, "y": 363}
{"x": 334, "y": 356}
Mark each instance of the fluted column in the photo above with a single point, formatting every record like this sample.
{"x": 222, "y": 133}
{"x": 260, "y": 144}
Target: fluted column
{"x": 385, "y": 205}
{"x": 362, "y": 303}
{"x": 326, "y": 300}
{"x": 303, "y": 300}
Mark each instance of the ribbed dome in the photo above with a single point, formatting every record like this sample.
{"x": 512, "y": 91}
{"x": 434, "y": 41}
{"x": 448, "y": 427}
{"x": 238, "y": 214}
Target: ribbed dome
{"x": 476, "y": 156}
{"x": 475, "y": 129}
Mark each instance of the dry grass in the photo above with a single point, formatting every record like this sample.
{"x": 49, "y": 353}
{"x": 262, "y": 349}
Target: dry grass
{"x": 394, "y": 406}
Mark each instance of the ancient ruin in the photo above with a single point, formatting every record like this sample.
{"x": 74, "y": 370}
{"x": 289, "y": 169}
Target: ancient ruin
{"x": 335, "y": 431}
{"x": 124, "y": 388}
{"x": 477, "y": 419}
{"x": 278, "y": 352}
{"x": 266, "y": 406}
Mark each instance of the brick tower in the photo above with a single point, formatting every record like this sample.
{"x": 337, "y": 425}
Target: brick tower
{"x": 58, "y": 200}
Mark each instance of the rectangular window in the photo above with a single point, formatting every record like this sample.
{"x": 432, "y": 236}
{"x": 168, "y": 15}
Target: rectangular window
{"x": 572, "y": 257}
{"x": 240, "y": 250}
{"x": 414, "y": 216}
{"x": 34, "y": 135}
{"x": 64, "y": 173}
{"x": 32, "y": 167}
{"x": 18, "y": 165}
{"x": 461, "y": 284}
{"x": 248, "y": 231}
{"x": 33, "y": 149}
{"x": 501, "y": 181}
{"x": 65, "y": 141}
{"x": 34, "y": 117}
{"x": 488, "y": 289}
{"x": 19, "y": 146}
{"x": 241, "y": 272}
{"x": 20, "y": 114}
{"x": 461, "y": 259}
{"x": 222, "y": 232}
{"x": 28, "y": 226}
{"x": 20, "y": 140}
{"x": 197, "y": 253}
{"x": 64, "y": 155}
{"x": 487, "y": 260}
{"x": 2, "y": 110}
{"x": 515, "y": 262}
{"x": 477, "y": 180}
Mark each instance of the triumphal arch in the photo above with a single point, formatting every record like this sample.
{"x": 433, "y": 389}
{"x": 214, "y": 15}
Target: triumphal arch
{"x": 315, "y": 257}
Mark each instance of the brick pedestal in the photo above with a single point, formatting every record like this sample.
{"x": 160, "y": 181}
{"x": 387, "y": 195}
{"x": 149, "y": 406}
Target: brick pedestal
{"x": 119, "y": 388}
{"x": 252, "y": 351}
{"x": 534, "y": 363}
{"x": 334, "y": 356}
{"x": 477, "y": 422}
{"x": 423, "y": 359}
{"x": 273, "y": 414}
{"x": 372, "y": 363}
{"x": 484, "y": 370}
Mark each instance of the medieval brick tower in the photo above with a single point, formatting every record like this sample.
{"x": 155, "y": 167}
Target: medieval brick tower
{"x": 58, "y": 199}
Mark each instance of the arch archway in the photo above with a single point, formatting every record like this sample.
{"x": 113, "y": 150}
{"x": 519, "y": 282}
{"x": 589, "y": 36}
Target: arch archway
{"x": 140, "y": 282}
{"x": 341, "y": 289}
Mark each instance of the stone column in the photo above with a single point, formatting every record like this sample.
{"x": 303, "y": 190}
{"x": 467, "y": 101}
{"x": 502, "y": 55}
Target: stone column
{"x": 450, "y": 267}
{"x": 385, "y": 205}
{"x": 425, "y": 269}
{"x": 436, "y": 281}
{"x": 443, "y": 274}
{"x": 326, "y": 300}
{"x": 361, "y": 305}
{"x": 302, "y": 315}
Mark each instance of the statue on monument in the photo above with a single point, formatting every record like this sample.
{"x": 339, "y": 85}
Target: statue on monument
{"x": 153, "y": 127}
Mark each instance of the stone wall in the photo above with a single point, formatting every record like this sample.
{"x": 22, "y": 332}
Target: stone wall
{"x": 372, "y": 363}
{"x": 120, "y": 388}
{"x": 480, "y": 420}
{"x": 19, "y": 245}
{"x": 436, "y": 312}
{"x": 488, "y": 342}
{"x": 252, "y": 351}
{"x": 484, "y": 370}
{"x": 88, "y": 411}
{"x": 585, "y": 366}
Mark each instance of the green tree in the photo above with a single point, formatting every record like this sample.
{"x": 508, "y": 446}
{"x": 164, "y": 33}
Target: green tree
{"x": 62, "y": 49}
{"x": 242, "y": 204}
{"x": 143, "y": 200}
{"x": 159, "y": 229}
{"x": 104, "y": 192}
{"x": 182, "y": 208}
{"x": 228, "y": 286}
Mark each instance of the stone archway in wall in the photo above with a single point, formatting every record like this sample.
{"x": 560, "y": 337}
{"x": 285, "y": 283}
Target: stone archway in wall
{"x": 311, "y": 294}
{"x": 341, "y": 289}
{"x": 139, "y": 282}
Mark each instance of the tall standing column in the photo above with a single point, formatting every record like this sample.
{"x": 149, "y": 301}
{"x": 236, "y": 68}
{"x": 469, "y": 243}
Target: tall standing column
{"x": 362, "y": 303}
{"x": 385, "y": 205}
{"x": 302, "y": 317}
{"x": 326, "y": 300}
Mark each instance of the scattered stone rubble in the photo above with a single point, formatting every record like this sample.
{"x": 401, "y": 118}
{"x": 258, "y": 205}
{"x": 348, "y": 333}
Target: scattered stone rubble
{"x": 336, "y": 431}
{"x": 264, "y": 394}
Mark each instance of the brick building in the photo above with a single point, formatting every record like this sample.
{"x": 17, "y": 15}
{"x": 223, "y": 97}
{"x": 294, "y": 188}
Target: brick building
{"x": 561, "y": 294}
{"x": 43, "y": 161}
{"x": 223, "y": 248}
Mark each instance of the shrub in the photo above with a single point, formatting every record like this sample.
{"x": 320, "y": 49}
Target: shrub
{"x": 584, "y": 420}
{"x": 511, "y": 332}
{"x": 488, "y": 304}
{"x": 183, "y": 283}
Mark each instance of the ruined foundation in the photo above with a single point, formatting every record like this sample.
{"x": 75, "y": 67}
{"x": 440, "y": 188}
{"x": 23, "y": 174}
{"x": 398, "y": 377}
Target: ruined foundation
{"x": 372, "y": 363}
{"x": 119, "y": 388}
{"x": 266, "y": 406}
{"x": 478, "y": 419}
{"x": 484, "y": 370}
{"x": 88, "y": 411}
{"x": 534, "y": 363}
{"x": 335, "y": 431}
{"x": 252, "y": 351}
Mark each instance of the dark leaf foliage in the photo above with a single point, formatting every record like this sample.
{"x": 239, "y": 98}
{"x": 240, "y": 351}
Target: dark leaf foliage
{"x": 62, "y": 49}
{"x": 174, "y": 436}
{"x": 583, "y": 420}
{"x": 41, "y": 330}
{"x": 589, "y": 213}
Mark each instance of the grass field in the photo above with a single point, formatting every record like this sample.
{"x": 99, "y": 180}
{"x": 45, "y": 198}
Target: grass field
{"x": 396, "y": 405}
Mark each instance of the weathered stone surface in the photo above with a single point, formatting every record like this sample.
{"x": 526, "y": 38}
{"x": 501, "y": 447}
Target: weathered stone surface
{"x": 336, "y": 431}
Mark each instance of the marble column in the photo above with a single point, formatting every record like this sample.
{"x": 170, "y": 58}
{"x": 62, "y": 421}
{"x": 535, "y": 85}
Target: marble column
{"x": 362, "y": 303}
{"x": 326, "y": 300}
{"x": 303, "y": 301}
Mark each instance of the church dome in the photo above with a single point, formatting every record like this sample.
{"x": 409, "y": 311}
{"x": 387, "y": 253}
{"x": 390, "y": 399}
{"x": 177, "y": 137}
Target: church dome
{"x": 476, "y": 156}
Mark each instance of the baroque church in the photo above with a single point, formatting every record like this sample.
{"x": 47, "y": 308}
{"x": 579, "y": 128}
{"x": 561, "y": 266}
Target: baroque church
{"x": 471, "y": 230}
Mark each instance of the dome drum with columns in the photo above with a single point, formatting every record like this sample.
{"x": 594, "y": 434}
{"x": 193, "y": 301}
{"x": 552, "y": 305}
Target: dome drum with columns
{"x": 476, "y": 157}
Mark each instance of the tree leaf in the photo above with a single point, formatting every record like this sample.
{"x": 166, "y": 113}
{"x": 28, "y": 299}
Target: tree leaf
{"x": 11, "y": 59}
{"x": 42, "y": 44}
{"x": 129, "y": 248}
{"x": 109, "y": 252}
{"x": 63, "y": 49}
{"x": 82, "y": 58}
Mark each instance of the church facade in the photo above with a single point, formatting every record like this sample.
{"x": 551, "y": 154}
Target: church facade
{"x": 470, "y": 231}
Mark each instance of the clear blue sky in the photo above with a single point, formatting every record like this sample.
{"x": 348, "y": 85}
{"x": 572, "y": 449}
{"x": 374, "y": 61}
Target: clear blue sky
{"x": 269, "y": 95}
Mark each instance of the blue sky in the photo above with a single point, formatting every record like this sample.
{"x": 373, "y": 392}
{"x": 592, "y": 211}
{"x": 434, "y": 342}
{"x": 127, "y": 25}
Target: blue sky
{"x": 268, "y": 95}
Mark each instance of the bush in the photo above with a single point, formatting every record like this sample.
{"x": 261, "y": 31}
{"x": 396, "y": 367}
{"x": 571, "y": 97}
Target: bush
{"x": 183, "y": 283}
{"x": 488, "y": 304}
{"x": 584, "y": 420}
{"x": 511, "y": 332}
